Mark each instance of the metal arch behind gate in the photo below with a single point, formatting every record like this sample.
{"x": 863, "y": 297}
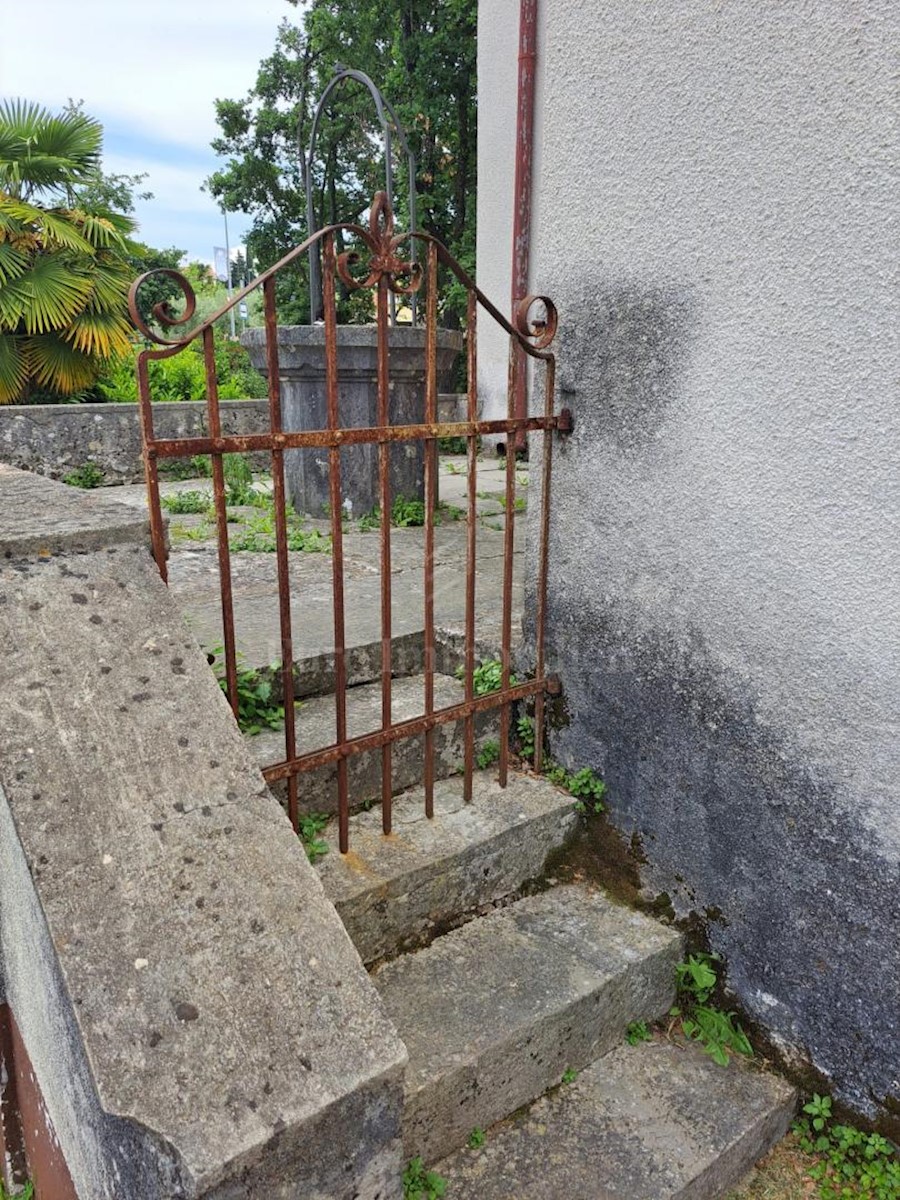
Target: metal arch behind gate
{"x": 378, "y": 266}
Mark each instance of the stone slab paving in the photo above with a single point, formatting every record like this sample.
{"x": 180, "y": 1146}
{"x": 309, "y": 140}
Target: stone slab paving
{"x": 194, "y": 574}
{"x": 658, "y": 1121}
{"x": 388, "y": 890}
{"x": 494, "y": 1013}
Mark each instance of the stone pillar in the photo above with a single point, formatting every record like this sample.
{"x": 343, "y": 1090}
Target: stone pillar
{"x": 301, "y": 357}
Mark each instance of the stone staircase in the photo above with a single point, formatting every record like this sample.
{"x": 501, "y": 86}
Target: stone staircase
{"x": 504, "y": 987}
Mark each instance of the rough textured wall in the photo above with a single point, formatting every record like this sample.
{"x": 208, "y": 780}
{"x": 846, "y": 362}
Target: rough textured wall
{"x": 717, "y": 220}
{"x": 498, "y": 48}
{"x": 54, "y": 439}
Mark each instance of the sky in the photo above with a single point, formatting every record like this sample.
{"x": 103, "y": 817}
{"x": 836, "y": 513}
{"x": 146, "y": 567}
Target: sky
{"x": 149, "y": 73}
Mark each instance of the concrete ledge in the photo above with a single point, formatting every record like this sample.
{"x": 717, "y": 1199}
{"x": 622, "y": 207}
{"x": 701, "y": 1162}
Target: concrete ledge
{"x": 389, "y": 891}
{"x": 494, "y": 1013}
{"x": 192, "y": 1005}
{"x": 651, "y": 1122}
{"x": 41, "y": 518}
{"x": 54, "y": 439}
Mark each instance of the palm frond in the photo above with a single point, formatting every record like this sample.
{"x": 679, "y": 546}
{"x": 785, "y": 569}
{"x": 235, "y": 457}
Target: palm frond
{"x": 41, "y": 151}
{"x": 13, "y": 367}
{"x": 13, "y": 262}
{"x": 47, "y": 297}
{"x": 104, "y": 230}
{"x": 105, "y": 334}
{"x": 55, "y": 364}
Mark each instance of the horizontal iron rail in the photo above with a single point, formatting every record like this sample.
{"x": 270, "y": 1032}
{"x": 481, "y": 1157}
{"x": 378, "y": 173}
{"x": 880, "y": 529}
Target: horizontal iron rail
{"x": 245, "y": 443}
{"x": 393, "y": 733}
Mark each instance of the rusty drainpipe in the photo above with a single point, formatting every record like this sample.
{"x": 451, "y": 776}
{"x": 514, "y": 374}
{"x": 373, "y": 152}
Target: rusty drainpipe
{"x": 522, "y": 187}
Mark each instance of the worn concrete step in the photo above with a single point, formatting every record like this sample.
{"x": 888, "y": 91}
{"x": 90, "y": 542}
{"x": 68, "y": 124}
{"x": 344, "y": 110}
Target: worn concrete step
{"x": 392, "y": 891}
{"x": 494, "y": 1013}
{"x": 658, "y": 1121}
{"x": 316, "y": 727}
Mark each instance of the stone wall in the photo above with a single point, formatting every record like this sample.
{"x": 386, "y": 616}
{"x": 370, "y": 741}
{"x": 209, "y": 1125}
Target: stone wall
{"x": 54, "y": 439}
{"x": 197, "y": 1019}
{"x": 716, "y": 217}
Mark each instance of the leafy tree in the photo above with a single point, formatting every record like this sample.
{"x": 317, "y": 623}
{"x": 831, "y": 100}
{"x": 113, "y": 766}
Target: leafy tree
{"x": 64, "y": 269}
{"x": 422, "y": 54}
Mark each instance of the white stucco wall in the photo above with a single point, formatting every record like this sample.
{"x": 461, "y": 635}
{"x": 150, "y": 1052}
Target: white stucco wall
{"x": 717, "y": 219}
{"x": 498, "y": 47}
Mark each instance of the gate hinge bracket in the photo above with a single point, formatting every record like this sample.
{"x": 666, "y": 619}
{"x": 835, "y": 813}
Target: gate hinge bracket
{"x": 565, "y": 422}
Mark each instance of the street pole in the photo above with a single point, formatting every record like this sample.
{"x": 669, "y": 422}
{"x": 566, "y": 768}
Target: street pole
{"x": 228, "y": 271}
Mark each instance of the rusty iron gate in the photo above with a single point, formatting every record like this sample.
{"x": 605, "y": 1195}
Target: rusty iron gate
{"x": 376, "y": 263}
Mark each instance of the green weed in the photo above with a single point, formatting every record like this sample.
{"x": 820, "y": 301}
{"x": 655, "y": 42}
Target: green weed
{"x": 187, "y": 502}
{"x": 476, "y": 1139}
{"x": 88, "y": 475}
{"x": 419, "y": 1184}
{"x": 487, "y": 755}
{"x": 190, "y": 533}
{"x": 487, "y": 677}
{"x": 849, "y": 1163}
{"x": 257, "y": 709}
{"x": 718, "y": 1032}
{"x": 525, "y": 732}
{"x": 637, "y": 1032}
{"x": 311, "y": 825}
{"x": 26, "y": 1192}
{"x": 569, "y": 1075}
{"x": 584, "y": 784}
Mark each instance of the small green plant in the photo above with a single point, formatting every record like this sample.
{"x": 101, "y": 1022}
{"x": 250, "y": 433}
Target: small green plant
{"x": 187, "y": 502}
{"x": 476, "y": 1139}
{"x": 718, "y": 1032}
{"x": 25, "y": 1193}
{"x": 311, "y": 825}
{"x": 525, "y": 732}
{"x": 258, "y": 536}
{"x": 587, "y": 788}
{"x": 518, "y": 503}
{"x": 451, "y": 511}
{"x": 88, "y": 475}
{"x": 452, "y": 469}
{"x": 406, "y": 513}
{"x": 637, "y": 1032}
{"x": 849, "y": 1163}
{"x": 569, "y": 1075}
{"x": 238, "y": 479}
{"x": 257, "y": 709}
{"x": 487, "y": 677}
{"x": 202, "y": 465}
{"x": 190, "y": 533}
{"x": 177, "y": 468}
{"x": 419, "y": 1184}
{"x": 487, "y": 755}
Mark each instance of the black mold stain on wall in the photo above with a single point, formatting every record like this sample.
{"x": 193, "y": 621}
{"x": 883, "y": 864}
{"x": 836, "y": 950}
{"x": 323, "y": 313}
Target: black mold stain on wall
{"x": 629, "y": 342}
{"x": 728, "y": 808}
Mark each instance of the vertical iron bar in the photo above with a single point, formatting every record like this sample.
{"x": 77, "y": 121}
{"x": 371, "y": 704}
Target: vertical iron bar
{"x": 151, "y": 471}
{"x": 384, "y": 469}
{"x": 515, "y": 367}
{"x": 218, "y": 478}
{"x": 337, "y": 539}
{"x": 543, "y": 555}
{"x": 472, "y": 468}
{"x": 430, "y": 488}
{"x": 281, "y": 550}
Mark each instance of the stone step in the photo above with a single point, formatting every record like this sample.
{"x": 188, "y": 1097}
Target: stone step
{"x": 658, "y": 1121}
{"x": 316, "y": 727}
{"x": 393, "y": 891}
{"x": 496, "y": 1012}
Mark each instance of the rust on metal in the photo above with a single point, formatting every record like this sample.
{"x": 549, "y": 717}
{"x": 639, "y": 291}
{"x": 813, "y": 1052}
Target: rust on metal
{"x": 281, "y": 553}
{"x": 337, "y": 538}
{"x": 471, "y": 545}
{"x": 382, "y": 265}
{"x": 28, "y": 1141}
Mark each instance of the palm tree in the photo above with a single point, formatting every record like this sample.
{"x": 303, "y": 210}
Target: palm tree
{"x": 63, "y": 272}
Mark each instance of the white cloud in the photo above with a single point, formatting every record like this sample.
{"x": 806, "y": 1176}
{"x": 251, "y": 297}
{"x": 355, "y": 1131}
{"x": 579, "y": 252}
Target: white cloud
{"x": 154, "y": 68}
